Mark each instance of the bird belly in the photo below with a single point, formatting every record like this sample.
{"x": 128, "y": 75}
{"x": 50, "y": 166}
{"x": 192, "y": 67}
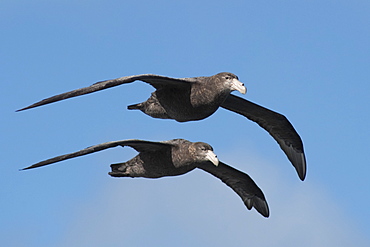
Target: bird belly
{"x": 146, "y": 166}
{"x": 166, "y": 104}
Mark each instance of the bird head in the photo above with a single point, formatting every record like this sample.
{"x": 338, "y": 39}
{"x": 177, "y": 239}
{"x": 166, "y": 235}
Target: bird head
{"x": 232, "y": 82}
{"x": 204, "y": 152}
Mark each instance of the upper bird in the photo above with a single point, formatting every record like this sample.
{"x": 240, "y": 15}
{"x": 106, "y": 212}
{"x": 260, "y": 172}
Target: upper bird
{"x": 195, "y": 98}
{"x": 172, "y": 158}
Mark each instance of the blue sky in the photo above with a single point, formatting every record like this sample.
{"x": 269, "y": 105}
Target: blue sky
{"x": 306, "y": 59}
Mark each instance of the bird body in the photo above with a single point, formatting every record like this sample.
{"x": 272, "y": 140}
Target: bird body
{"x": 195, "y": 101}
{"x": 178, "y": 158}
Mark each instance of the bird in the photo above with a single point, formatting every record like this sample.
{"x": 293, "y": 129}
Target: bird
{"x": 196, "y": 98}
{"x": 172, "y": 158}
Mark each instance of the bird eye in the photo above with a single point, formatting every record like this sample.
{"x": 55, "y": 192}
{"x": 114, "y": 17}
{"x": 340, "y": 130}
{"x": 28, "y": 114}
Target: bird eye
{"x": 227, "y": 77}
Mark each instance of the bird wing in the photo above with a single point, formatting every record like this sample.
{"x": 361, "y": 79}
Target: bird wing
{"x": 241, "y": 183}
{"x": 138, "y": 145}
{"x": 156, "y": 81}
{"x": 277, "y": 125}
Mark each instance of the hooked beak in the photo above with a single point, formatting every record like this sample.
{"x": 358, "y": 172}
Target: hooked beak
{"x": 211, "y": 156}
{"x": 239, "y": 86}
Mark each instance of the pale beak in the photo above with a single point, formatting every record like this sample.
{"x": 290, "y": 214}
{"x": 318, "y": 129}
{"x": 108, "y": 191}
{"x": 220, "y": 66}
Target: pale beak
{"x": 239, "y": 86}
{"x": 212, "y": 157}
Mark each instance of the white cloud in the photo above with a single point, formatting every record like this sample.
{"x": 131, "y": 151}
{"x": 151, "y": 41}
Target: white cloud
{"x": 198, "y": 210}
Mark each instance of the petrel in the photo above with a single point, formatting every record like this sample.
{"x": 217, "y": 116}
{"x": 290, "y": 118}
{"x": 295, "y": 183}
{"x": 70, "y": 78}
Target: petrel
{"x": 173, "y": 158}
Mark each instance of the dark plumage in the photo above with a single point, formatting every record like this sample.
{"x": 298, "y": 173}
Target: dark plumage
{"x": 172, "y": 158}
{"x": 189, "y": 99}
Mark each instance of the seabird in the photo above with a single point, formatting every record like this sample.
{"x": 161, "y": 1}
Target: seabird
{"x": 195, "y": 98}
{"x": 173, "y": 158}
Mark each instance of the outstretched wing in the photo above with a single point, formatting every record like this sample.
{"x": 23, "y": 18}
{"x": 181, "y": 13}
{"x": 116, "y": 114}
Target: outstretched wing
{"x": 138, "y": 145}
{"x": 156, "y": 81}
{"x": 277, "y": 125}
{"x": 241, "y": 183}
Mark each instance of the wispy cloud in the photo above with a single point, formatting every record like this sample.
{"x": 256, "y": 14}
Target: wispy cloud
{"x": 198, "y": 210}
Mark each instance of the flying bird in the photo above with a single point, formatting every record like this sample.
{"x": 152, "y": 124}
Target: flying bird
{"x": 195, "y": 98}
{"x": 172, "y": 158}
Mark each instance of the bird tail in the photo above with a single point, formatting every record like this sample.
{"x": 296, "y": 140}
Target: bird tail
{"x": 119, "y": 170}
{"x": 135, "y": 107}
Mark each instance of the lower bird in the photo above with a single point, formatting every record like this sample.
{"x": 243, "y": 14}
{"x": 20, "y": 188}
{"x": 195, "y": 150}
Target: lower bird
{"x": 196, "y": 98}
{"x": 172, "y": 158}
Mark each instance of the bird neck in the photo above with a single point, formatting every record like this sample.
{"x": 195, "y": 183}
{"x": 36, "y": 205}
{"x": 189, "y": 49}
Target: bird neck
{"x": 202, "y": 95}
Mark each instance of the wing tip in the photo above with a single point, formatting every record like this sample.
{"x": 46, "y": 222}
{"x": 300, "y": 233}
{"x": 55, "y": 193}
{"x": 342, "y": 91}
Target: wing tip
{"x": 302, "y": 176}
{"x": 29, "y": 107}
{"x": 26, "y": 168}
{"x": 297, "y": 158}
{"x": 262, "y": 208}
{"x": 259, "y": 204}
{"x": 300, "y": 166}
{"x": 22, "y": 109}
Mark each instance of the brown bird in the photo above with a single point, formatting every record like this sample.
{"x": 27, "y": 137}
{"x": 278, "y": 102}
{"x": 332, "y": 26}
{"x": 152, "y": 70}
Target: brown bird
{"x": 190, "y": 99}
{"x": 172, "y": 158}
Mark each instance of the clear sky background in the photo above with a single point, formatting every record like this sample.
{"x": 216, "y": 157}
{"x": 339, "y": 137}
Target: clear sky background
{"x": 309, "y": 60}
